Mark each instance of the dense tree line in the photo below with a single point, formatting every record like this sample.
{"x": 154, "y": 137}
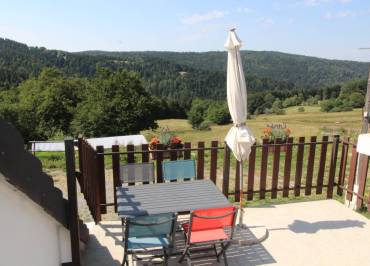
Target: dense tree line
{"x": 53, "y": 105}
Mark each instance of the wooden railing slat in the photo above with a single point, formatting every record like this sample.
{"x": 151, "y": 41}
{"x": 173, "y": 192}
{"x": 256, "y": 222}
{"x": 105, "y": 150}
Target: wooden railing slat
{"x": 251, "y": 169}
{"x": 213, "y": 164}
{"x": 352, "y": 172}
{"x": 287, "y": 166}
{"x": 264, "y": 159}
{"x": 321, "y": 172}
{"x": 200, "y": 160}
{"x": 145, "y": 156}
{"x": 333, "y": 165}
{"x": 101, "y": 177}
{"x": 131, "y": 159}
{"x": 343, "y": 167}
{"x": 310, "y": 165}
{"x": 159, "y": 158}
{"x": 187, "y": 153}
{"x": 275, "y": 169}
{"x": 173, "y": 154}
{"x": 226, "y": 171}
{"x": 116, "y": 172}
{"x": 299, "y": 164}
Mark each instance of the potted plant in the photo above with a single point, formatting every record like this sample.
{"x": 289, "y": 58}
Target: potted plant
{"x": 275, "y": 131}
{"x": 168, "y": 139}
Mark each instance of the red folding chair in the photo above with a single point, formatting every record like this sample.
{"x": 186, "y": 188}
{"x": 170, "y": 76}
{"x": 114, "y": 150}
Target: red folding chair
{"x": 207, "y": 228}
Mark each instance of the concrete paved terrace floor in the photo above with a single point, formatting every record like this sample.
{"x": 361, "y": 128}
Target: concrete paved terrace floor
{"x": 307, "y": 233}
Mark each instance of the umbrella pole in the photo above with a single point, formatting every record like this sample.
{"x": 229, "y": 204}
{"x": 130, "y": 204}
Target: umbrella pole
{"x": 241, "y": 195}
{"x": 241, "y": 226}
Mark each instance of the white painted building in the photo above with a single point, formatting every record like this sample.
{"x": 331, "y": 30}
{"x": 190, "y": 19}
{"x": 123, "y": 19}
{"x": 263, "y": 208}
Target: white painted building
{"x": 28, "y": 235}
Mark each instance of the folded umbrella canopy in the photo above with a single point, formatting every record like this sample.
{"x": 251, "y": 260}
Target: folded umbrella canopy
{"x": 239, "y": 138}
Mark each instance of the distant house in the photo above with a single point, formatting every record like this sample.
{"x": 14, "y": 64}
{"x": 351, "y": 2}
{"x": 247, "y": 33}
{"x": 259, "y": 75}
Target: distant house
{"x": 33, "y": 225}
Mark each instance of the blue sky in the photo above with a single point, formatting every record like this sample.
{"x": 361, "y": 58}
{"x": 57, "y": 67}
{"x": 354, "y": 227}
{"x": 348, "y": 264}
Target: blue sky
{"x": 323, "y": 28}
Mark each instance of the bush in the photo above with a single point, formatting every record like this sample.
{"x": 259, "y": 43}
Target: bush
{"x": 205, "y": 125}
{"x": 218, "y": 113}
{"x": 291, "y": 101}
{"x": 301, "y": 109}
{"x": 277, "y": 108}
{"x": 327, "y": 105}
{"x": 197, "y": 112}
{"x": 357, "y": 100}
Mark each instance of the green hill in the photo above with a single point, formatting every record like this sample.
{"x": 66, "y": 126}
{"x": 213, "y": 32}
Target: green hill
{"x": 181, "y": 75}
{"x": 302, "y": 71}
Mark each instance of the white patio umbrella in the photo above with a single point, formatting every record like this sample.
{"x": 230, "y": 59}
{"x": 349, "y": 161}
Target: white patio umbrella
{"x": 239, "y": 138}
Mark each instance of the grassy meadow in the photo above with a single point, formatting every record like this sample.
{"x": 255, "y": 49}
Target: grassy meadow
{"x": 312, "y": 122}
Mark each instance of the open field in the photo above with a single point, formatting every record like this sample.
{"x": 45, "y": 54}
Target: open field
{"x": 312, "y": 122}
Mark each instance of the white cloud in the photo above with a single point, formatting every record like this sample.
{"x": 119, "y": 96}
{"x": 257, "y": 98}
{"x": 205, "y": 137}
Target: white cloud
{"x": 198, "y": 18}
{"x": 346, "y": 14}
{"x": 244, "y": 10}
{"x": 319, "y": 2}
{"x": 266, "y": 22}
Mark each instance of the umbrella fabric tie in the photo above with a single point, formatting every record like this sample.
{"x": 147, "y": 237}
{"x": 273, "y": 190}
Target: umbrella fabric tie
{"x": 243, "y": 124}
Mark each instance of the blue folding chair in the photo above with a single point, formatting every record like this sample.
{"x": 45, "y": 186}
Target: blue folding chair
{"x": 179, "y": 170}
{"x": 148, "y": 234}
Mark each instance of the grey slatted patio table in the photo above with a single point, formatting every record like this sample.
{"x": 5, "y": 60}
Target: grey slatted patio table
{"x": 133, "y": 201}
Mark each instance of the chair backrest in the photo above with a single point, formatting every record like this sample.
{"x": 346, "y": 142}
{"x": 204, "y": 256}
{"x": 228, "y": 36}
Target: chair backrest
{"x": 137, "y": 172}
{"x": 214, "y": 218}
{"x": 177, "y": 170}
{"x": 151, "y": 225}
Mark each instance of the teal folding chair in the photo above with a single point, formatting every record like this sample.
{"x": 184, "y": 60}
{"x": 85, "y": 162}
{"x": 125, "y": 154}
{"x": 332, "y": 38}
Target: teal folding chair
{"x": 148, "y": 235}
{"x": 179, "y": 170}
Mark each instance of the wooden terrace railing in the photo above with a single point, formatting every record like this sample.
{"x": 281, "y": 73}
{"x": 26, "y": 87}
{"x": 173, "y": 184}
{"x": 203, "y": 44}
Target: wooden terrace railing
{"x": 289, "y": 169}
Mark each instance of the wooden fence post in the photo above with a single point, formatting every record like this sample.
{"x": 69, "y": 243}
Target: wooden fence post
{"x": 213, "y": 165}
{"x": 352, "y": 173}
{"x": 116, "y": 172}
{"x": 159, "y": 157}
{"x": 343, "y": 166}
{"x": 130, "y": 158}
{"x": 287, "y": 166}
{"x": 251, "y": 169}
{"x": 275, "y": 168}
{"x": 72, "y": 202}
{"x": 333, "y": 165}
{"x": 298, "y": 168}
{"x": 80, "y": 162}
{"x": 320, "y": 174}
{"x": 226, "y": 171}
{"x": 145, "y": 156}
{"x": 200, "y": 163}
{"x": 187, "y": 151}
{"x": 310, "y": 165}
{"x": 101, "y": 175}
{"x": 264, "y": 158}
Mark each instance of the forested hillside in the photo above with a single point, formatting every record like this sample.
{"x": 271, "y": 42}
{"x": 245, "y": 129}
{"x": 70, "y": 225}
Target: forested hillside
{"x": 49, "y": 93}
{"x": 181, "y": 75}
{"x": 302, "y": 71}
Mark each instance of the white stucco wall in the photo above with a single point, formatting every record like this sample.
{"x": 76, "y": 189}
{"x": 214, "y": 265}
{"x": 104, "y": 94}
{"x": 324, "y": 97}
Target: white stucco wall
{"x": 28, "y": 235}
